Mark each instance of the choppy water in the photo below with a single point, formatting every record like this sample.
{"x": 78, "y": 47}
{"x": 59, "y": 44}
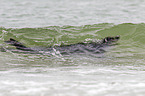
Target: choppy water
{"x": 42, "y": 23}
{"x": 40, "y": 13}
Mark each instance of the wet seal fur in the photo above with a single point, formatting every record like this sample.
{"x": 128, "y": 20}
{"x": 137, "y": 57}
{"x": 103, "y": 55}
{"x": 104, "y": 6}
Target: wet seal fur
{"x": 95, "y": 47}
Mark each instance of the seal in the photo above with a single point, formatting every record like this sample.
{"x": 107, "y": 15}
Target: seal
{"x": 82, "y": 47}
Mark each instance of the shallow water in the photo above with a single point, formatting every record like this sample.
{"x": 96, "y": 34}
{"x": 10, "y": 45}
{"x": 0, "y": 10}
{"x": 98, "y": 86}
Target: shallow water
{"x": 40, "y": 24}
{"x": 40, "y": 13}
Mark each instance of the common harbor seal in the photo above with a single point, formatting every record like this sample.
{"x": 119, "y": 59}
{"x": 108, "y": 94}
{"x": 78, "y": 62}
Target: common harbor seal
{"x": 82, "y": 47}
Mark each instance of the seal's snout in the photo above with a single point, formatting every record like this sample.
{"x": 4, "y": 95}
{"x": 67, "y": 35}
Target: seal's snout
{"x": 111, "y": 39}
{"x": 117, "y": 37}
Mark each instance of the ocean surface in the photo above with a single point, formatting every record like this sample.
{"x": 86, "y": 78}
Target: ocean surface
{"x": 39, "y": 24}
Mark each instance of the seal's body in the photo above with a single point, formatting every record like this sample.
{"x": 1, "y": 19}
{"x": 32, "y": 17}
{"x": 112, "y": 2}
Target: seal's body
{"x": 95, "y": 47}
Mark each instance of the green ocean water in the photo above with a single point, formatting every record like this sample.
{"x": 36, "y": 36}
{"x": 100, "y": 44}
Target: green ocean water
{"x": 131, "y": 34}
{"x": 121, "y": 66}
{"x": 122, "y": 63}
{"x": 39, "y": 24}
